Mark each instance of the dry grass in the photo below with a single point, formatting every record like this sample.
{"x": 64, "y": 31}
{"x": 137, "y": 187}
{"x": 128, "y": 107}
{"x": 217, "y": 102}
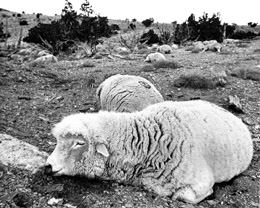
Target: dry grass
{"x": 166, "y": 64}
{"x": 257, "y": 51}
{"x": 200, "y": 81}
{"x": 148, "y": 68}
{"x": 244, "y": 73}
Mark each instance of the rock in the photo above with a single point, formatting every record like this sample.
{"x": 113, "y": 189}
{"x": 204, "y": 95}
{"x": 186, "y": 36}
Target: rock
{"x": 175, "y": 46}
{"x": 2, "y": 169}
{"x": 166, "y": 49}
{"x": 120, "y": 49}
{"x": 46, "y": 59}
{"x": 198, "y": 46}
{"x": 43, "y": 53}
{"x": 25, "y": 51}
{"x": 211, "y": 202}
{"x": 54, "y": 201}
{"x": 17, "y": 57}
{"x": 19, "y": 154}
{"x": 97, "y": 56}
{"x": 234, "y": 103}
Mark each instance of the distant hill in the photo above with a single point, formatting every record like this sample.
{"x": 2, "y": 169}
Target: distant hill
{"x": 4, "y": 10}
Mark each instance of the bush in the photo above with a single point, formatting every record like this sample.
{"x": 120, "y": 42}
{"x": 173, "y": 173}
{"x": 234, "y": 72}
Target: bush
{"x": 199, "y": 81}
{"x": 244, "y": 73}
{"x": 150, "y": 38}
{"x": 114, "y": 27}
{"x": 38, "y": 15}
{"x": 166, "y": 64}
{"x": 251, "y": 24}
{"x": 132, "y": 26}
{"x": 3, "y": 35}
{"x": 62, "y": 35}
{"x": 244, "y": 35}
{"x": 23, "y": 22}
{"x": 207, "y": 28}
{"x": 148, "y": 22}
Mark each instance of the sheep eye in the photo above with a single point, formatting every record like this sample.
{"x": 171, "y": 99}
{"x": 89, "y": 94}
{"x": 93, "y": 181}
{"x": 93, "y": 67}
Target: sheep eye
{"x": 79, "y": 143}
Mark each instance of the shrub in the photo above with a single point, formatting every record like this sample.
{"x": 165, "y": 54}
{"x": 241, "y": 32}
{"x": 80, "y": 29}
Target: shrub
{"x": 251, "y": 24}
{"x": 148, "y": 22}
{"x": 166, "y": 64}
{"x": 166, "y": 36}
{"x": 150, "y": 38}
{"x": 244, "y": 35}
{"x": 148, "y": 68}
{"x": 23, "y": 22}
{"x": 19, "y": 15}
{"x": 210, "y": 28}
{"x": 245, "y": 73}
{"x": 3, "y": 35}
{"x": 198, "y": 81}
{"x": 132, "y": 26}
{"x": 114, "y": 27}
{"x": 38, "y": 15}
{"x": 207, "y": 28}
{"x": 63, "y": 35}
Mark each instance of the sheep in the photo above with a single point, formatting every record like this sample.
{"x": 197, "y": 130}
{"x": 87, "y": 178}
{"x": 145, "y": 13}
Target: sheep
{"x": 127, "y": 93}
{"x": 166, "y": 49}
{"x": 174, "y": 46}
{"x": 213, "y": 47}
{"x": 155, "y": 57}
{"x": 175, "y": 149}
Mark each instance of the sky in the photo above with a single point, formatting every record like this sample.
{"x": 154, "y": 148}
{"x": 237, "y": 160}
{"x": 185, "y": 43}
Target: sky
{"x": 163, "y": 11}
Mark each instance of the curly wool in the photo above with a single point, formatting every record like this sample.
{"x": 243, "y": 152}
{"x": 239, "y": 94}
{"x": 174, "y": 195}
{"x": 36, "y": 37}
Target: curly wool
{"x": 177, "y": 149}
{"x": 127, "y": 93}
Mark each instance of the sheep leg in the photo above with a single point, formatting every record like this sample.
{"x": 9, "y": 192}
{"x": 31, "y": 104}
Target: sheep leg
{"x": 198, "y": 190}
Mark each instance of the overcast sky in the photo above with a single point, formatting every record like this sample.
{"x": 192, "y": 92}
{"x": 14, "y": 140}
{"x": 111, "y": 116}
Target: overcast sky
{"x": 232, "y": 11}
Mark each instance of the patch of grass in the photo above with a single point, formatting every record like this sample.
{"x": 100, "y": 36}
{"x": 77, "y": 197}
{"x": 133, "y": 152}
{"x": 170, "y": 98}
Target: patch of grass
{"x": 148, "y": 68}
{"x": 244, "y": 73}
{"x": 257, "y": 51}
{"x": 166, "y": 64}
{"x": 242, "y": 45}
{"x": 198, "y": 81}
{"x": 87, "y": 64}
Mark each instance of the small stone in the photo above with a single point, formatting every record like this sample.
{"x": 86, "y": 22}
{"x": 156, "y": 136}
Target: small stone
{"x": 247, "y": 121}
{"x": 211, "y": 202}
{"x": 129, "y": 205}
{"x": 54, "y": 201}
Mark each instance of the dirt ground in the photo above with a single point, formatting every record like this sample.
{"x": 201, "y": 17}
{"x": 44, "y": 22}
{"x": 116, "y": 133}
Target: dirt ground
{"x": 35, "y": 97}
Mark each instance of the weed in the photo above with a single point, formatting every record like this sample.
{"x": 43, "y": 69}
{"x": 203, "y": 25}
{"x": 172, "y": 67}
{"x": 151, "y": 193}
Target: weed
{"x": 198, "y": 81}
{"x": 166, "y": 64}
{"x": 253, "y": 74}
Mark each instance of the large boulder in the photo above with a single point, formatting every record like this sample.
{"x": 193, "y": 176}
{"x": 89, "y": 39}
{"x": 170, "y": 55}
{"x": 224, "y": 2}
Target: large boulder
{"x": 19, "y": 154}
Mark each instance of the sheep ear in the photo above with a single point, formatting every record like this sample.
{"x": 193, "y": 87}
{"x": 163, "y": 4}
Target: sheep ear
{"x": 102, "y": 149}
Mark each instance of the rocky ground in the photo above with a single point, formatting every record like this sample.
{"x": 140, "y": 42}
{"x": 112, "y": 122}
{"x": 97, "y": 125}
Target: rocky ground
{"x": 35, "y": 96}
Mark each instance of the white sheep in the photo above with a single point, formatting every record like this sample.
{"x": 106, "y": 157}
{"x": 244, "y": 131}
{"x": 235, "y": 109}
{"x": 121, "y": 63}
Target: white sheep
{"x": 155, "y": 57}
{"x": 177, "y": 149}
{"x": 174, "y": 46}
{"x": 166, "y": 49}
{"x": 127, "y": 93}
{"x": 215, "y": 47}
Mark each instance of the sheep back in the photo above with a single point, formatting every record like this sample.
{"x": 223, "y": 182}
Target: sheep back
{"x": 127, "y": 93}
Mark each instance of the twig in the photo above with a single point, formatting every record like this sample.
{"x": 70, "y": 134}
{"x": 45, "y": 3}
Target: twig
{"x": 20, "y": 38}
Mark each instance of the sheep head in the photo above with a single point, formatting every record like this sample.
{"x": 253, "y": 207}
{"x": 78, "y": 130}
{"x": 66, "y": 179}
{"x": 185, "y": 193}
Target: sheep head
{"x": 79, "y": 151}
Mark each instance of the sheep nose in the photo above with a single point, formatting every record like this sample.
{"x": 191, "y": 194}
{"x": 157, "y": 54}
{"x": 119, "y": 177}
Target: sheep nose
{"x": 48, "y": 169}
